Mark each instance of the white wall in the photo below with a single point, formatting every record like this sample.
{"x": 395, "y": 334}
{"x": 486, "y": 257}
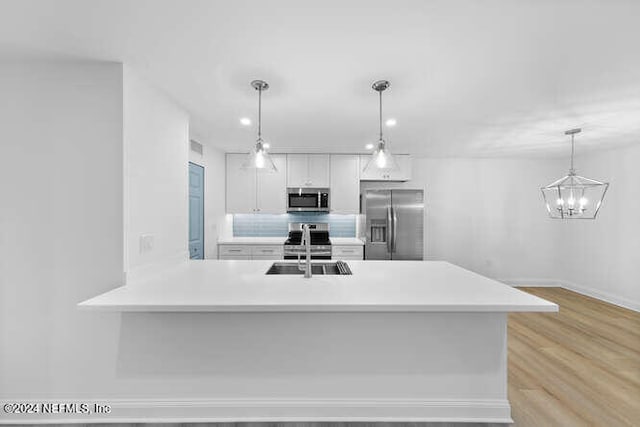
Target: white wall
{"x": 213, "y": 161}
{"x": 487, "y": 215}
{"x": 603, "y": 256}
{"x": 156, "y": 141}
{"x": 61, "y": 238}
{"x": 64, "y": 129}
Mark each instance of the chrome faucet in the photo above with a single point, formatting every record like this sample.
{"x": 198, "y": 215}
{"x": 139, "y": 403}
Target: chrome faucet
{"x": 306, "y": 241}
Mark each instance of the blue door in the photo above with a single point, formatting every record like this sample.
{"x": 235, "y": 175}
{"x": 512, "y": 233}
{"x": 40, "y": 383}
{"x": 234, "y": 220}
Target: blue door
{"x": 196, "y": 211}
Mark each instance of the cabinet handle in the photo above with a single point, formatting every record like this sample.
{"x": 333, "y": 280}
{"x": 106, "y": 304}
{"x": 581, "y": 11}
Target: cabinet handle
{"x": 266, "y": 250}
{"x": 235, "y": 250}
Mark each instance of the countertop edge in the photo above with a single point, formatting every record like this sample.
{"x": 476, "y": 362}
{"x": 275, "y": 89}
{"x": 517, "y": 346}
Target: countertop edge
{"x": 89, "y": 306}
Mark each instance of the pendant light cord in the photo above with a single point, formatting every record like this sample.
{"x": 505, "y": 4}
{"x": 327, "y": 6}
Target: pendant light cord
{"x": 260, "y": 114}
{"x": 380, "y": 93}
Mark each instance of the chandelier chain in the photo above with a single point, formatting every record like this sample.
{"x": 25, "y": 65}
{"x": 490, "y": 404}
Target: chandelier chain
{"x": 572, "y": 170}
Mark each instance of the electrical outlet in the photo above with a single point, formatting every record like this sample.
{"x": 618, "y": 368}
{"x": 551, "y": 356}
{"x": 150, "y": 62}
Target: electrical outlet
{"x": 146, "y": 243}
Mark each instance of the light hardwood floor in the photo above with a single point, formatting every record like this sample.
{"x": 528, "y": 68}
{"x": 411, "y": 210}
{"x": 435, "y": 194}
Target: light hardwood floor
{"x": 578, "y": 367}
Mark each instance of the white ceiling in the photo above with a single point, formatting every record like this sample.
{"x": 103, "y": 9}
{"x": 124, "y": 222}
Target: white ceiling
{"x": 468, "y": 78}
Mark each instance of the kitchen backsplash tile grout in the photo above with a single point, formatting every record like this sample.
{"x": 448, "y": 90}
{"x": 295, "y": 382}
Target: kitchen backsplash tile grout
{"x": 270, "y": 225}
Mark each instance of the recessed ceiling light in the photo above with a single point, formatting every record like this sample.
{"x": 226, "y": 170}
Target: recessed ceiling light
{"x": 391, "y": 122}
{"x": 369, "y": 146}
{"x": 245, "y": 121}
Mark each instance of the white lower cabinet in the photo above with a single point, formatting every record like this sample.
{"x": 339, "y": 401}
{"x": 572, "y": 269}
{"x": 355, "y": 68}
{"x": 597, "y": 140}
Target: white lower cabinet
{"x": 267, "y": 252}
{"x": 234, "y": 257}
{"x": 234, "y": 250}
{"x": 347, "y": 252}
{"x": 247, "y": 252}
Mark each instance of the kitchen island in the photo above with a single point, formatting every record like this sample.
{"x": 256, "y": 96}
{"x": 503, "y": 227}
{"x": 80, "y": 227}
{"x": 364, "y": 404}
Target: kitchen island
{"x": 401, "y": 341}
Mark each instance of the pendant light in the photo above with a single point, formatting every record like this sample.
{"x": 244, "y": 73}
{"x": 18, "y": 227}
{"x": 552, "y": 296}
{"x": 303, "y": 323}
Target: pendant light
{"x": 381, "y": 158}
{"x": 574, "y": 196}
{"x": 258, "y": 157}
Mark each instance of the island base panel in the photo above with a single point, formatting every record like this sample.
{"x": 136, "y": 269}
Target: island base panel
{"x": 309, "y": 367}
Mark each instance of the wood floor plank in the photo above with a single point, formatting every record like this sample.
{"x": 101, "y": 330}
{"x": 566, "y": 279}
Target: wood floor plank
{"x": 577, "y": 367}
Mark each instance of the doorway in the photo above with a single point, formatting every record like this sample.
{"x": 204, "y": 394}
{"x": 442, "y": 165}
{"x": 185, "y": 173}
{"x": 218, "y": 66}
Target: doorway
{"x": 196, "y": 211}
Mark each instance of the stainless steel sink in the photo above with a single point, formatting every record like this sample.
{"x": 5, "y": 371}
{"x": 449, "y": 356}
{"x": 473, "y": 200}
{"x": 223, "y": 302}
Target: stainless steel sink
{"x": 319, "y": 268}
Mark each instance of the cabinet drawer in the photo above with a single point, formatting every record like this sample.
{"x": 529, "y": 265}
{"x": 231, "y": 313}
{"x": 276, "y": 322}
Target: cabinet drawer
{"x": 234, "y": 250}
{"x": 267, "y": 257}
{"x": 264, "y": 250}
{"x": 235, "y": 257}
{"x": 347, "y": 251}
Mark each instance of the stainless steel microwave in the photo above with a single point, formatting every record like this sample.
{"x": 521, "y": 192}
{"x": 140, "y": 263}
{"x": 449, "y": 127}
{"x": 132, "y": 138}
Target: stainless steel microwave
{"x": 307, "y": 199}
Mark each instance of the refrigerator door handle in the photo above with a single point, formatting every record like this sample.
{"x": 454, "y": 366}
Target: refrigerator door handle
{"x": 395, "y": 230}
{"x": 389, "y": 231}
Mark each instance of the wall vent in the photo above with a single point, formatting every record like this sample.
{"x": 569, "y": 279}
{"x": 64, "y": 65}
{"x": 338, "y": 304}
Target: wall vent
{"x": 196, "y": 147}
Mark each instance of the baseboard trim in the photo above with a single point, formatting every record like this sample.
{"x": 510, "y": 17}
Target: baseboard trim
{"x": 539, "y": 283}
{"x": 603, "y": 296}
{"x": 279, "y": 410}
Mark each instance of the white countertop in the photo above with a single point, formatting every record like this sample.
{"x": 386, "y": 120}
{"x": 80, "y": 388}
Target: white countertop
{"x": 375, "y": 286}
{"x": 351, "y": 241}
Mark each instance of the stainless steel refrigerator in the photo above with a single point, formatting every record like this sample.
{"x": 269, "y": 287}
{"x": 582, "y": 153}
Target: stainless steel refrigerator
{"x": 394, "y": 224}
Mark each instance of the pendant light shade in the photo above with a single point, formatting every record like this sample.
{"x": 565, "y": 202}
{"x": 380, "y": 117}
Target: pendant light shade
{"x": 258, "y": 157}
{"x": 381, "y": 159}
{"x": 574, "y": 196}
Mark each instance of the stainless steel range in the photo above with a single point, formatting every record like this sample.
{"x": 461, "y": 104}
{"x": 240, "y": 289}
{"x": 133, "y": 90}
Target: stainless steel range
{"x": 320, "y": 242}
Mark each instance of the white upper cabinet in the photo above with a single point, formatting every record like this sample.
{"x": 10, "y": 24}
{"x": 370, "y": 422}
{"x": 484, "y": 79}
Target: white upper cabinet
{"x": 318, "y": 170}
{"x": 250, "y": 191}
{"x": 402, "y": 173}
{"x": 345, "y": 183}
{"x": 241, "y": 185}
{"x": 307, "y": 170}
{"x": 297, "y": 166}
{"x": 272, "y": 187}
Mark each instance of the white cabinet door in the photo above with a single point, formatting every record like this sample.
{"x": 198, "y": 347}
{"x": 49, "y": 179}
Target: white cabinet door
{"x": 403, "y": 173}
{"x": 234, "y": 252}
{"x": 308, "y": 170}
{"x": 272, "y": 187}
{"x": 267, "y": 252}
{"x": 318, "y": 170}
{"x": 345, "y": 183}
{"x": 246, "y": 252}
{"x": 372, "y": 174}
{"x": 240, "y": 186}
{"x": 297, "y": 166}
{"x": 347, "y": 252}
